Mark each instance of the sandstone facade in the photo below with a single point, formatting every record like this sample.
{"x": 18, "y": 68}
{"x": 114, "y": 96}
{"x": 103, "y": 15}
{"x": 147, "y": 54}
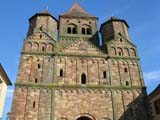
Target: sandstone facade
{"x": 73, "y": 77}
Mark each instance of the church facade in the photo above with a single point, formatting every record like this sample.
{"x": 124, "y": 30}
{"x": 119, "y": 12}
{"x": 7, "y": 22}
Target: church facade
{"x": 72, "y": 76}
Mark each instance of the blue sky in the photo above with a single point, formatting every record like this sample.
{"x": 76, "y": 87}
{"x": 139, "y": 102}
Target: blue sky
{"x": 142, "y": 16}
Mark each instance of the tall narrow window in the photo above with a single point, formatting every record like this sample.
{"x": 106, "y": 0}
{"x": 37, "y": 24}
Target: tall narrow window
{"x": 69, "y": 30}
{"x": 83, "y": 30}
{"x": 88, "y": 31}
{"x": 61, "y": 73}
{"x": 36, "y": 80}
{"x": 120, "y": 54}
{"x": 104, "y": 74}
{"x": 39, "y": 66}
{"x": 74, "y": 30}
{"x": 125, "y": 70}
{"x": 34, "y": 104}
{"x": 83, "y": 78}
{"x": 40, "y": 36}
{"x": 43, "y": 49}
{"x": 127, "y": 83}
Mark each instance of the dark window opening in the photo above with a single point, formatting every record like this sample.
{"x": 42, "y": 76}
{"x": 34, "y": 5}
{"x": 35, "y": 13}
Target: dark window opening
{"x": 83, "y": 79}
{"x": 125, "y": 70}
{"x": 74, "y": 30}
{"x": 43, "y": 49}
{"x": 36, "y": 80}
{"x": 39, "y": 66}
{"x": 69, "y": 30}
{"x": 120, "y": 54}
{"x": 157, "y": 106}
{"x": 88, "y": 31}
{"x": 104, "y": 74}
{"x": 84, "y": 118}
{"x": 61, "y": 73}
{"x": 127, "y": 83}
{"x": 83, "y": 31}
{"x": 34, "y": 104}
{"x": 40, "y": 36}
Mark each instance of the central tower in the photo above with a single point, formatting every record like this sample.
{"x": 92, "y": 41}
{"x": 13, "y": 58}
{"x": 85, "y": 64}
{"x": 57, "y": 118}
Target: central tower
{"x": 73, "y": 77}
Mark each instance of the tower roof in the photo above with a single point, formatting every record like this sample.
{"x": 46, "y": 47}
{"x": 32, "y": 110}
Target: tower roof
{"x": 77, "y": 11}
{"x": 43, "y": 13}
{"x": 113, "y": 18}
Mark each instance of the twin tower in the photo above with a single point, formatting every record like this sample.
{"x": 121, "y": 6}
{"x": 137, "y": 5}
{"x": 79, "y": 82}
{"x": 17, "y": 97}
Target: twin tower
{"x": 64, "y": 74}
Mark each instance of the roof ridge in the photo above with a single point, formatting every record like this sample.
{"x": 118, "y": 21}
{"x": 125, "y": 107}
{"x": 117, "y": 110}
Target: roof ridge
{"x": 76, "y": 11}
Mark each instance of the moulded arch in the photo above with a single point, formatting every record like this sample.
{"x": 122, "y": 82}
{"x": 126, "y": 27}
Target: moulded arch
{"x": 71, "y": 28}
{"x": 84, "y": 116}
{"x": 125, "y": 51}
{"x": 113, "y": 51}
{"x": 42, "y": 47}
{"x": 35, "y": 46}
{"x": 28, "y": 46}
{"x": 50, "y": 47}
{"x": 132, "y": 52}
{"x": 119, "y": 51}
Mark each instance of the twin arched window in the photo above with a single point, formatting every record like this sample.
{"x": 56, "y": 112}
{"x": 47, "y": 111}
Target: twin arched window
{"x": 72, "y": 29}
{"x": 85, "y": 30}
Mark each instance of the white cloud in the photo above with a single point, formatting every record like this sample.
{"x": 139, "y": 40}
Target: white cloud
{"x": 154, "y": 75}
{"x": 152, "y": 79}
{"x": 9, "y": 92}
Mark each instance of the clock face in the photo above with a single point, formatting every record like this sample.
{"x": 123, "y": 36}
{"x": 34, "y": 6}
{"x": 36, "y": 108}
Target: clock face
{"x": 82, "y": 46}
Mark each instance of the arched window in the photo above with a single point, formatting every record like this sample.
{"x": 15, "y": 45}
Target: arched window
{"x": 61, "y": 73}
{"x": 83, "y": 79}
{"x": 86, "y": 30}
{"x": 71, "y": 29}
{"x": 127, "y": 83}
{"x": 104, "y": 74}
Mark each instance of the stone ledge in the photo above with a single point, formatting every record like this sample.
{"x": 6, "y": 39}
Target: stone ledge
{"x": 55, "y": 85}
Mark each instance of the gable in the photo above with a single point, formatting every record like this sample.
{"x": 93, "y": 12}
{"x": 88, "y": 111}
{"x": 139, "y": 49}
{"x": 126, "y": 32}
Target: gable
{"x": 82, "y": 47}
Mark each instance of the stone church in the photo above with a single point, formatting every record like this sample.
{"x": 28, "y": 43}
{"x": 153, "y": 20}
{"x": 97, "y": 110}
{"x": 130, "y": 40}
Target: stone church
{"x": 65, "y": 74}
